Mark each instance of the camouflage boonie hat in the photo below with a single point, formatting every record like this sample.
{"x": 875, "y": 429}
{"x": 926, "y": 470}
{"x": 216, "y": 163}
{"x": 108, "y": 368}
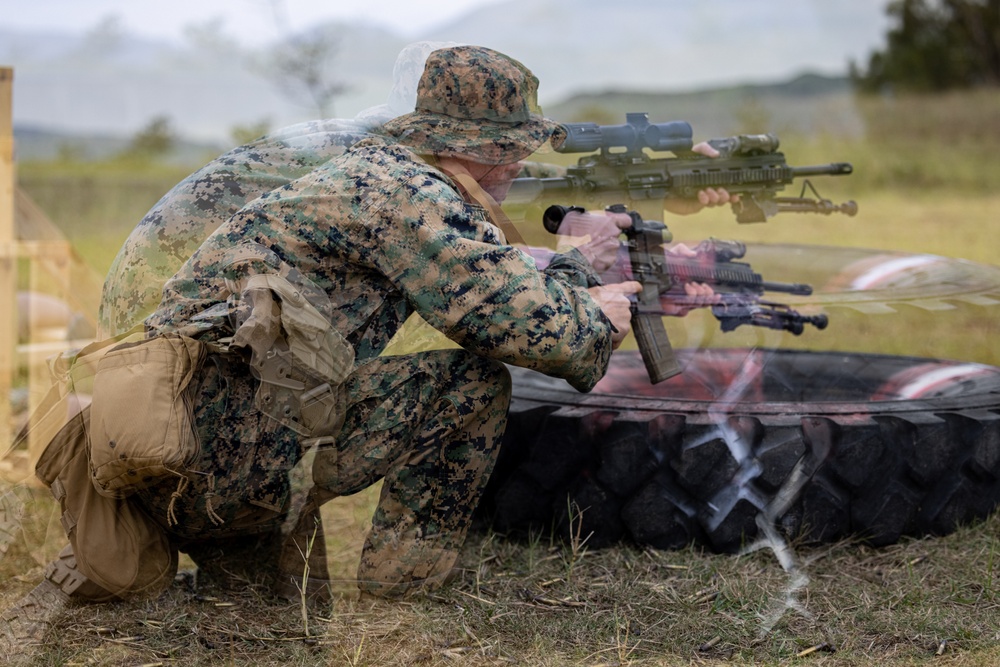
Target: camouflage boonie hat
{"x": 477, "y": 104}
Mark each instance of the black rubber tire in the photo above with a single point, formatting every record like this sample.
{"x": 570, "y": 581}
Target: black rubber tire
{"x": 884, "y": 446}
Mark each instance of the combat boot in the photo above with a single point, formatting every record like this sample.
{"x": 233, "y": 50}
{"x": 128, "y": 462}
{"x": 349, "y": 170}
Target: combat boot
{"x": 23, "y": 626}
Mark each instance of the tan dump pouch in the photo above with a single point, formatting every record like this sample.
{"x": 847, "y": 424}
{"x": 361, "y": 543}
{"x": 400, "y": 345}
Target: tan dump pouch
{"x": 299, "y": 358}
{"x": 116, "y": 545}
{"x": 141, "y": 414}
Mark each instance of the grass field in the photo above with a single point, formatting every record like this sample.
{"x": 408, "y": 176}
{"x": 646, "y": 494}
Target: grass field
{"x": 549, "y": 602}
{"x": 925, "y": 182}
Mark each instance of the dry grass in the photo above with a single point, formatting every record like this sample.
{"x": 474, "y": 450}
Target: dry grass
{"x": 549, "y": 601}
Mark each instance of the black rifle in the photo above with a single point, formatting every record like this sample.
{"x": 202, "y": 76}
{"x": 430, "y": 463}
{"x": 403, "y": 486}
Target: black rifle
{"x": 747, "y": 165}
{"x": 739, "y": 288}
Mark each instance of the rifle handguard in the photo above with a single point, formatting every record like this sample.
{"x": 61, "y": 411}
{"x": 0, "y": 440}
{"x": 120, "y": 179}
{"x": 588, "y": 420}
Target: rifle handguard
{"x": 618, "y": 166}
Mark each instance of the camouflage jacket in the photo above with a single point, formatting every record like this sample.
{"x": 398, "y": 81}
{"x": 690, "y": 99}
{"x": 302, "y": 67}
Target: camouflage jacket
{"x": 174, "y": 228}
{"x": 384, "y": 235}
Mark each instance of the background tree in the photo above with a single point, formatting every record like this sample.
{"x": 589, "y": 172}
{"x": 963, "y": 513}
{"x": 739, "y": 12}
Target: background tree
{"x": 102, "y": 41}
{"x": 301, "y": 66}
{"x": 245, "y": 133}
{"x": 936, "y": 45}
{"x": 155, "y": 140}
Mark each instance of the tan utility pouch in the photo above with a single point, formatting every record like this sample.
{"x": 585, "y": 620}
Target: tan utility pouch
{"x": 141, "y": 415}
{"x": 117, "y": 546}
{"x": 299, "y": 358}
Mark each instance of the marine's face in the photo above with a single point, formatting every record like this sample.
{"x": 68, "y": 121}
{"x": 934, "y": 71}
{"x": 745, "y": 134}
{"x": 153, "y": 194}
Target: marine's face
{"x": 495, "y": 179}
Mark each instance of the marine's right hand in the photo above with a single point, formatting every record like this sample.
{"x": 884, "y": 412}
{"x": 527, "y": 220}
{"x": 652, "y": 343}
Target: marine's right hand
{"x": 613, "y": 300}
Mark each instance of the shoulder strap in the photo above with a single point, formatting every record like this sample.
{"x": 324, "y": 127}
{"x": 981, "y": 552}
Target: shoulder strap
{"x": 474, "y": 193}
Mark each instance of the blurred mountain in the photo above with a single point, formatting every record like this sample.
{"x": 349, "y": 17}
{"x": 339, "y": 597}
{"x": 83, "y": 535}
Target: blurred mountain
{"x": 106, "y": 82}
{"x": 806, "y": 104}
{"x": 589, "y": 46}
{"x": 68, "y": 83}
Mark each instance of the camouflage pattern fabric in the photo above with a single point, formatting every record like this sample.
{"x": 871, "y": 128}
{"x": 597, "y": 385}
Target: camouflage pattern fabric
{"x": 385, "y": 236}
{"x": 227, "y": 513}
{"x": 239, "y": 483}
{"x": 183, "y": 218}
{"x": 429, "y": 425}
{"x": 174, "y": 228}
{"x": 476, "y": 104}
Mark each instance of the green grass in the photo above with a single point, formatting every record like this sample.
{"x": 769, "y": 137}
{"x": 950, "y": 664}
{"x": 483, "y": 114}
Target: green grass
{"x": 97, "y": 207}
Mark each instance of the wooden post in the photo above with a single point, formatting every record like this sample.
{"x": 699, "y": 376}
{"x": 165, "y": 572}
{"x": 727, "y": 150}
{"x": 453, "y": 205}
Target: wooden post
{"x": 46, "y": 260}
{"x": 8, "y": 256}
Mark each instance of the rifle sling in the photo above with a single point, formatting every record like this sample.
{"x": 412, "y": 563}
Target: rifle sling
{"x": 473, "y": 193}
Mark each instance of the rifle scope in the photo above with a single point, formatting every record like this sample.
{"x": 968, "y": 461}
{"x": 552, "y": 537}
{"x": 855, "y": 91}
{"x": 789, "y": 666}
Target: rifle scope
{"x": 636, "y": 134}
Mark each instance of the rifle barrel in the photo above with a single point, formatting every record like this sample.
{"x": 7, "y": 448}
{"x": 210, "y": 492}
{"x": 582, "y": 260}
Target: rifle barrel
{"x": 730, "y": 275}
{"x": 528, "y": 190}
{"x": 801, "y": 289}
{"x": 831, "y": 169}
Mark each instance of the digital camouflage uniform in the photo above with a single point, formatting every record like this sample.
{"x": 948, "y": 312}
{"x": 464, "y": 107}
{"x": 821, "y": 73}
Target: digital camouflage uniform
{"x": 386, "y": 235}
{"x": 383, "y": 234}
{"x": 184, "y": 217}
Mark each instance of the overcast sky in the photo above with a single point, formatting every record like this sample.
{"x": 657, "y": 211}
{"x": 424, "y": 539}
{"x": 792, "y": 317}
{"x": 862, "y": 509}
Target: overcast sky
{"x": 167, "y": 18}
{"x": 722, "y": 42}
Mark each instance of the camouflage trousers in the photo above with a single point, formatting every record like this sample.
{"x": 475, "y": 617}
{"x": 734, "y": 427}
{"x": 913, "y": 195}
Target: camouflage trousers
{"x": 428, "y": 424}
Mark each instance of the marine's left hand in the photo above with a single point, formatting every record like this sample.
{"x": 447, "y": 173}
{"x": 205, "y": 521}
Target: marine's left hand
{"x": 696, "y": 295}
{"x": 707, "y": 198}
{"x": 595, "y": 234}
